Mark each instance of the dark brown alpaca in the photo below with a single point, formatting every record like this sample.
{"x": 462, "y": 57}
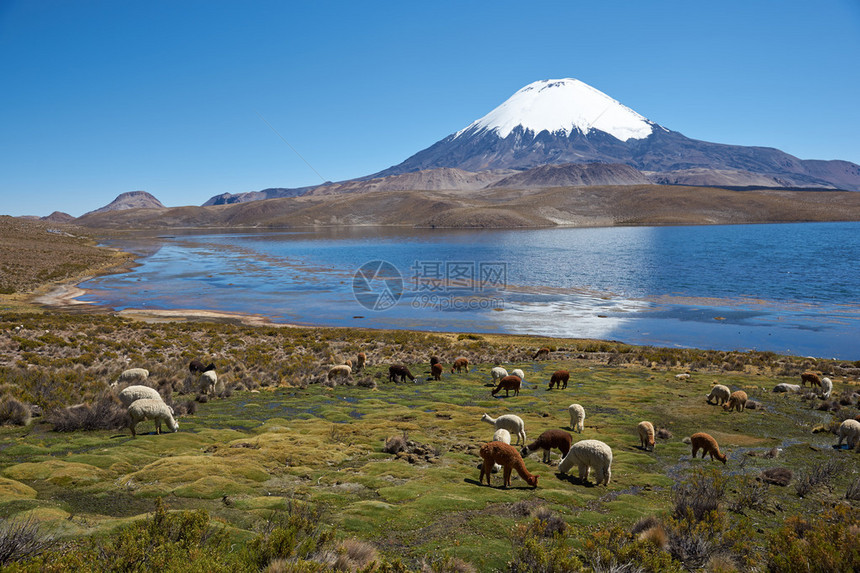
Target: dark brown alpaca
{"x": 197, "y": 367}
{"x": 542, "y": 353}
{"x": 436, "y": 371}
{"x": 396, "y": 371}
{"x": 708, "y": 445}
{"x": 559, "y": 377}
{"x": 507, "y": 384}
{"x": 547, "y": 441}
{"x": 460, "y": 364}
{"x": 811, "y": 377}
{"x": 434, "y": 360}
{"x": 509, "y": 458}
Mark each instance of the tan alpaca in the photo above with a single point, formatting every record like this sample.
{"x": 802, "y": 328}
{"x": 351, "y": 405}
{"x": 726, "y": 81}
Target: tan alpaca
{"x": 508, "y": 383}
{"x": 460, "y": 364}
{"x": 708, "y": 445}
{"x": 360, "y": 361}
{"x": 559, "y": 377}
{"x": 737, "y": 401}
{"x": 811, "y": 377}
{"x": 509, "y": 458}
{"x": 646, "y": 435}
{"x": 542, "y": 353}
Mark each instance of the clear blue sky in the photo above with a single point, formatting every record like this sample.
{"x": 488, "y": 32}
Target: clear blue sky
{"x": 99, "y": 97}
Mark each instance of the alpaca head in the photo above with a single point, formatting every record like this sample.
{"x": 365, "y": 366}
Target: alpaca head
{"x": 532, "y": 480}
{"x": 721, "y": 457}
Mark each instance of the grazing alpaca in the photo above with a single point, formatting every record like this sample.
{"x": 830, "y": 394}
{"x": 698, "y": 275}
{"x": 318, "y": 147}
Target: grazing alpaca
{"x": 507, "y": 457}
{"x": 559, "y": 379}
{"x": 510, "y": 422}
{"x": 340, "y": 371}
{"x": 507, "y": 384}
{"x": 434, "y": 360}
{"x": 542, "y": 353}
{"x": 849, "y": 430}
{"x": 719, "y": 393}
{"x": 520, "y": 373}
{"x": 197, "y": 367}
{"x": 396, "y": 371}
{"x": 577, "y": 417}
{"x": 347, "y": 362}
{"x": 498, "y": 373}
{"x": 547, "y": 441}
{"x": 460, "y": 364}
{"x": 708, "y": 445}
{"x": 826, "y": 388}
{"x": 810, "y": 377}
{"x": 589, "y": 455}
{"x": 646, "y": 435}
{"x": 436, "y": 371}
{"x": 737, "y": 401}
{"x": 360, "y": 361}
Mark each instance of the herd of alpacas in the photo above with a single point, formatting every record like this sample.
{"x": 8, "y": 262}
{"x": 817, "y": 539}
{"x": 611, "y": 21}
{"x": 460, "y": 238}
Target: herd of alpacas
{"x": 589, "y": 456}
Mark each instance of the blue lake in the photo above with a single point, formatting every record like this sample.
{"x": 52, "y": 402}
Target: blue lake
{"x": 790, "y": 288}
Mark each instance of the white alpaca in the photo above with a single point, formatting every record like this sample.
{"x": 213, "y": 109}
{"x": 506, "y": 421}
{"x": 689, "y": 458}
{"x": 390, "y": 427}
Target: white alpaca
{"x": 849, "y": 430}
{"x": 826, "y": 387}
{"x": 589, "y": 455}
{"x": 577, "y": 417}
{"x": 131, "y": 394}
{"x": 340, "y": 371}
{"x": 148, "y": 409}
{"x": 719, "y": 393}
{"x": 511, "y": 423}
{"x": 132, "y": 376}
{"x": 498, "y": 373}
{"x": 208, "y": 381}
{"x": 520, "y": 373}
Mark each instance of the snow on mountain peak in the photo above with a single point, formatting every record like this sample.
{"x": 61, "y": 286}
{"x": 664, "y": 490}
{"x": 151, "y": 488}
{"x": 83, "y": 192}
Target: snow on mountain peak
{"x": 562, "y": 106}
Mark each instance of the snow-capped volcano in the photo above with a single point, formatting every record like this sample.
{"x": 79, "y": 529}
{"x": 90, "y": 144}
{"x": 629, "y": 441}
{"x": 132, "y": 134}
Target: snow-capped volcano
{"x": 560, "y": 107}
{"x": 553, "y": 122}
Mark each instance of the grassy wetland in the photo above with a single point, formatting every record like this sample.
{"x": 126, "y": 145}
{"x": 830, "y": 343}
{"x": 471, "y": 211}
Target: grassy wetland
{"x": 285, "y": 470}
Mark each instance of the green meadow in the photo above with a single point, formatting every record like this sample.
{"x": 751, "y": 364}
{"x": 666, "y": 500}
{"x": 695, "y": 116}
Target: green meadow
{"x": 282, "y": 436}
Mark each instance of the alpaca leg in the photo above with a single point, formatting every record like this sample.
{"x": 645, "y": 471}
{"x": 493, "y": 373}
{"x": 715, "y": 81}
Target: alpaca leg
{"x": 583, "y": 472}
{"x": 157, "y": 427}
{"x": 546, "y": 456}
{"x": 507, "y": 475}
{"x": 485, "y": 469}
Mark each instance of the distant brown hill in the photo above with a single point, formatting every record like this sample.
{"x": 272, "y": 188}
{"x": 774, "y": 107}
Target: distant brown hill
{"x": 58, "y": 217}
{"x": 130, "y": 200}
{"x": 505, "y": 208}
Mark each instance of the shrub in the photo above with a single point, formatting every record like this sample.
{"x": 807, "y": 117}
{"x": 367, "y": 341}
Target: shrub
{"x": 699, "y": 495}
{"x": 752, "y": 494}
{"x": 106, "y": 414}
{"x": 822, "y": 542}
{"x": 816, "y": 475}
{"x": 295, "y": 533}
{"x": 21, "y": 540}
{"x": 534, "y": 551}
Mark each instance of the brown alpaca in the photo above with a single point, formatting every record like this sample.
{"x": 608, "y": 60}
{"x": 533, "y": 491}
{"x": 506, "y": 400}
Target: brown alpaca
{"x": 547, "y": 441}
{"x": 509, "y": 458}
{"x": 360, "y": 361}
{"x": 460, "y": 364}
{"x": 436, "y": 371}
{"x": 646, "y": 435}
{"x": 507, "y": 384}
{"x": 347, "y": 363}
{"x": 708, "y": 445}
{"x": 737, "y": 401}
{"x": 810, "y": 377}
{"x": 434, "y": 360}
{"x": 559, "y": 377}
{"x": 542, "y": 353}
{"x": 396, "y": 371}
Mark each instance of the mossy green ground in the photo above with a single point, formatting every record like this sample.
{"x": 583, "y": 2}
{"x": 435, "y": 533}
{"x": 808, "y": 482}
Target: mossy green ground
{"x": 239, "y": 456}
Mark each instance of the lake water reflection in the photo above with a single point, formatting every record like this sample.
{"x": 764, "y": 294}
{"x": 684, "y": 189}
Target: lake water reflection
{"x": 787, "y": 288}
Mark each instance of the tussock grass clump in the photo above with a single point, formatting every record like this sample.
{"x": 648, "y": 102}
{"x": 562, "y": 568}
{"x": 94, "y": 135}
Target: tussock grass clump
{"x": 700, "y": 494}
{"x": 14, "y": 412}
